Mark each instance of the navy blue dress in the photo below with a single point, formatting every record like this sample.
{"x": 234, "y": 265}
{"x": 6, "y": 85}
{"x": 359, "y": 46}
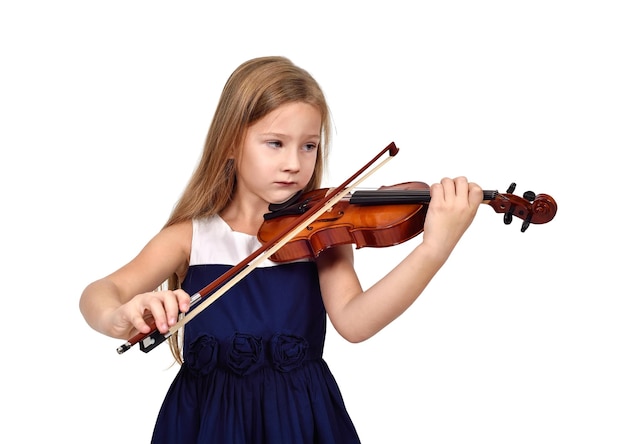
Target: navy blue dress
{"x": 253, "y": 370}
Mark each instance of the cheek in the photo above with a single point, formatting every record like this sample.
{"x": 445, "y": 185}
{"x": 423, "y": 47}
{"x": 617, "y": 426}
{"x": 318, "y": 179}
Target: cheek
{"x": 252, "y": 162}
{"x": 311, "y": 165}
{"x": 261, "y": 165}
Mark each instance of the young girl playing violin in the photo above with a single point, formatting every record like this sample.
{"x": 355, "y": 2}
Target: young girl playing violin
{"x": 252, "y": 367}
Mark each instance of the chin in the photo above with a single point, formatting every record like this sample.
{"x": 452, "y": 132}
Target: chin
{"x": 281, "y": 197}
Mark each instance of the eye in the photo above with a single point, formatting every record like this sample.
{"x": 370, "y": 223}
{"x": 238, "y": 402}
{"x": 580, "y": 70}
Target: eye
{"x": 275, "y": 143}
{"x": 310, "y": 147}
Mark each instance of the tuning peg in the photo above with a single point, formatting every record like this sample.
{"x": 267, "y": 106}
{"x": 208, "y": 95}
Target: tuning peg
{"x": 529, "y": 196}
{"x": 508, "y": 216}
{"x": 526, "y": 222}
{"x": 511, "y": 187}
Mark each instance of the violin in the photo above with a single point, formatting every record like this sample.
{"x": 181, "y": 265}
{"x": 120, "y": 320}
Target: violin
{"x": 309, "y": 223}
{"x": 382, "y": 218}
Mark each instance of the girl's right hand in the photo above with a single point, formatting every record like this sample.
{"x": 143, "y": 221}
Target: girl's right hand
{"x": 137, "y": 315}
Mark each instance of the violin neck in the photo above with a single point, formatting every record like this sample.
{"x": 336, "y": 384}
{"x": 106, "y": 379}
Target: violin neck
{"x": 399, "y": 197}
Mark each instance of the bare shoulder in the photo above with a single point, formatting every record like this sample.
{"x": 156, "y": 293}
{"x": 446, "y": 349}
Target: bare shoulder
{"x": 174, "y": 241}
{"x": 179, "y": 234}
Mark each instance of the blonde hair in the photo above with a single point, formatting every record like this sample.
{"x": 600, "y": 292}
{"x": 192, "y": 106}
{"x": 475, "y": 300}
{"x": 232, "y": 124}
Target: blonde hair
{"x": 253, "y": 90}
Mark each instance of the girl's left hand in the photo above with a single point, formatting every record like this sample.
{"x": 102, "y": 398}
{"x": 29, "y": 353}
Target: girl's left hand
{"x": 452, "y": 207}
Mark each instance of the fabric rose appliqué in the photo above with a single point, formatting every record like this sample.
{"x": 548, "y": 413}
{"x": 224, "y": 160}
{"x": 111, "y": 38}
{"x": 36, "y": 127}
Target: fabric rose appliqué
{"x": 202, "y": 354}
{"x": 288, "y": 351}
{"x": 245, "y": 354}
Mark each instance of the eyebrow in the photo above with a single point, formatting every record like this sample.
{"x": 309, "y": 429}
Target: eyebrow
{"x": 281, "y": 135}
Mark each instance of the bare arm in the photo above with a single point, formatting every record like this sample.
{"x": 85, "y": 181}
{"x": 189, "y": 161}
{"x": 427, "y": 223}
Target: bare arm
{"x": 124, "y": 302}
{"x": 356, "y": 314}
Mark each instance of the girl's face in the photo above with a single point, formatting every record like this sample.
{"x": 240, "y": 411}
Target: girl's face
{"x": 279, "y": 151}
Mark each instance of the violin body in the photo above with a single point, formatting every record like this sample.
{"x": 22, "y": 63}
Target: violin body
{"x": 366, "y": 225}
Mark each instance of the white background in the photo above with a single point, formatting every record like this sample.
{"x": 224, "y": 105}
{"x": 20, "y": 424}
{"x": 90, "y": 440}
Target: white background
{"x": 104, "y": 107}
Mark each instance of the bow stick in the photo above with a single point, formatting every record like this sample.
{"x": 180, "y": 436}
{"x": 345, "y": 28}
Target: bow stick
{"x": 239, "y": 271}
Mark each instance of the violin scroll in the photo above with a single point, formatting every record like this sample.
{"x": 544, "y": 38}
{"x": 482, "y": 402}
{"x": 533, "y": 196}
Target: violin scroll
{"x": 531, "y": 208}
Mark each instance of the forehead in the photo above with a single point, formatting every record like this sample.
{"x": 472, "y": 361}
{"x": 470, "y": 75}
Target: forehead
{"x": 294, "y": 116}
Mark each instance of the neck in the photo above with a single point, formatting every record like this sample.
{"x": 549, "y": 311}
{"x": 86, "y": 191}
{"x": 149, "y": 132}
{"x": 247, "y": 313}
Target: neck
{"x": 398, "y": 196}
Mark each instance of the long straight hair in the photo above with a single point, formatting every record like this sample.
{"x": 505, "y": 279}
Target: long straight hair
{"x": 256, "y": 88}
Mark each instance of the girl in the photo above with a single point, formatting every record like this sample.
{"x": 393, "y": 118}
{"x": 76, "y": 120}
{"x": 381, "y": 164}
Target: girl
{"x": 251, "y": 364}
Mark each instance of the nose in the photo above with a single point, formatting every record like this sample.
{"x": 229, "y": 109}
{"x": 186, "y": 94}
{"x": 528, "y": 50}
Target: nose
{"x": 291, "y": 159}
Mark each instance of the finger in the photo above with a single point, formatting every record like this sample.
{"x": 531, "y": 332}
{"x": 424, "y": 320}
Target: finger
{"x": 461, "y": 187}
{"x": 140, "y": 323}
{"x": 158, "y": 312}
{"x": 476, "y": 193}
{"x": 170, "y": 304}
{"x": 184, "y": 300}
{"x": 449, "y": 188}
{"x": 436, "y": 192}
